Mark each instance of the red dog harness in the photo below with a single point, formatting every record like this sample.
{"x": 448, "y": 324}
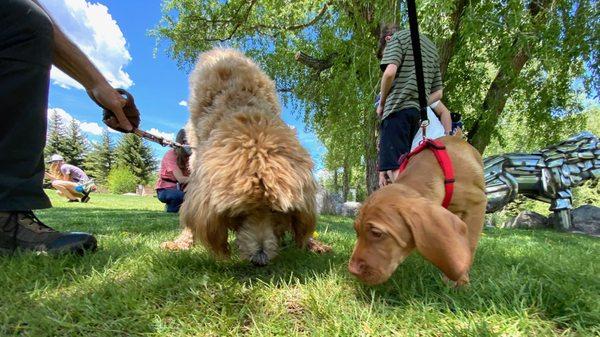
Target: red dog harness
{"x": 439, "y": 150}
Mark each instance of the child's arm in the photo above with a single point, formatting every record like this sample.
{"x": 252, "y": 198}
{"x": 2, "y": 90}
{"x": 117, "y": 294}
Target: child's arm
{"x": 444, "y": 114}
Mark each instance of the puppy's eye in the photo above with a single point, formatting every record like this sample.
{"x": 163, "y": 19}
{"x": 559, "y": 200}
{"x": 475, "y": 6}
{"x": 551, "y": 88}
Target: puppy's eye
{"x": 376, "y": 233}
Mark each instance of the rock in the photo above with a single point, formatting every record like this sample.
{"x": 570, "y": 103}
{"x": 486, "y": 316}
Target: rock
{"x": 527, "y": 220}
{"x": 586, "y": 219}
{"x": 329, "y": 203}
{"x": 350, "y": 208}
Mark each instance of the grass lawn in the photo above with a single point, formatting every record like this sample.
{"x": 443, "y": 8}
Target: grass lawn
{"x": 523, "y": 283}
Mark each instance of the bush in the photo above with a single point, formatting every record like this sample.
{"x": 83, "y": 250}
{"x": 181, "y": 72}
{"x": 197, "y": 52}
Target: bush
{"x": 121, "y": 180}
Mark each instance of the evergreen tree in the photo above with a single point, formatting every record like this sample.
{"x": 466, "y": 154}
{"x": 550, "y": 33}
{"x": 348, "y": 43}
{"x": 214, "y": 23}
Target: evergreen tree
{"x": 135, "y": 155}
{"x": 56, "y": 141}
{"x": 75, "y": 145}
{"x": 100, "y": 159}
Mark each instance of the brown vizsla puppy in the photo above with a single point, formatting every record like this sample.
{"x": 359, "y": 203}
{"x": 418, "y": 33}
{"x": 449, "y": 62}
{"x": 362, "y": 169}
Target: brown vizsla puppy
{"x": 408, "y": 214}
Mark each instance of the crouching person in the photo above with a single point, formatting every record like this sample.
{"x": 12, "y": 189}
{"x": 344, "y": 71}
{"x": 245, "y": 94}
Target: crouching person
{"x": 174, "y": 175}
{"x": 69, "y": 180}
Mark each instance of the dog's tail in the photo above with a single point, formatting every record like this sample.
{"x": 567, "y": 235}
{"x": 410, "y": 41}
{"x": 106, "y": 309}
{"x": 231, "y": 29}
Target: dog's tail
{"x": 227, "y": 78}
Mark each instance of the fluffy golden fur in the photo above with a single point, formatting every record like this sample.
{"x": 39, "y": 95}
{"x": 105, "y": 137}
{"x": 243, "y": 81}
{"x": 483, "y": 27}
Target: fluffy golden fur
{"x": 249, "y": 172}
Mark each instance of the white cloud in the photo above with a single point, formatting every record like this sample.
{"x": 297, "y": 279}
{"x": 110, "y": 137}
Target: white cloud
{"x": 92, "y": 128}
{"x": 89, "y": 127}
{"x": 291, "y": 126}
{"x": 165, "y": 135}
{"x": 93, "y": 29}
{"x": 183, "y": 103}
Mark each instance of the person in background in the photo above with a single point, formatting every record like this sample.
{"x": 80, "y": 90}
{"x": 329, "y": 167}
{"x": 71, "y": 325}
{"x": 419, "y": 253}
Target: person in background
{"x": 30, "y": 43}
{"x": 174, "y": 175}
{"x": 70, "y": 181}
{"x": 398, "y": 106}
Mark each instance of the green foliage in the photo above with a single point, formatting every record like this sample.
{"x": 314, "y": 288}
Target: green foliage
{"x": 135, "y": 155}
{"x": 523, "y": 283}
{"x": 507, "y": 61}
{"x": 120, "y": 180}
{"x": 56, "y": 140}
{"x": 75, "y": 145}
{"x": 101, "y": 158}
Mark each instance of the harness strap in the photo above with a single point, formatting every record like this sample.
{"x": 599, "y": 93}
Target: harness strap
{"x": 441, "y": 155}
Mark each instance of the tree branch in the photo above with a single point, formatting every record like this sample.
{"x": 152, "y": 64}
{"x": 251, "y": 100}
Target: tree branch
{"x": 448, "y": 46}
{"x": 314, "y": 63}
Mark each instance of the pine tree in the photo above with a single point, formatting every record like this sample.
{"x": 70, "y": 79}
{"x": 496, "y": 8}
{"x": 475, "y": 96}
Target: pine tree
{"x": 76, "y": 145}
{"x": 100, "y": 159}
{"x": 56, "y": 141}
{"x": 133, "y": 154}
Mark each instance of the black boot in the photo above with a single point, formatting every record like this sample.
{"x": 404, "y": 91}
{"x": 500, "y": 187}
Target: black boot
{"x": 23, "y": 230}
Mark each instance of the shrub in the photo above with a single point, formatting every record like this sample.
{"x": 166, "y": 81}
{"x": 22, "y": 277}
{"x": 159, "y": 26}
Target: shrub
{"x": 121, "y": 180}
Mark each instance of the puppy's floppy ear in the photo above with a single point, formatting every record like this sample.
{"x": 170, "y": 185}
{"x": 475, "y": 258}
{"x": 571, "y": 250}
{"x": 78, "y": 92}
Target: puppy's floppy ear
{"x": 206, "y": 225}
{"x": 440, "y": 236}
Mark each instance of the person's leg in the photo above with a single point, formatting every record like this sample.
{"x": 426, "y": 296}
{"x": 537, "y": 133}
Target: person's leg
{"x": 172, "y": 197}
{"x": 389, "y": 148}
{"x": 66, "y": 189}
{"x": 25, "y": 59}
{"x": 406, "y": 126}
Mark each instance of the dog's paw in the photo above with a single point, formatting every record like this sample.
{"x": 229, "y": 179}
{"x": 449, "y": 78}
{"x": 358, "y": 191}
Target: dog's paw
{"x": 463, "y": 281}
{"x": 318, "y": 247}
{"x": 175, "y": 245}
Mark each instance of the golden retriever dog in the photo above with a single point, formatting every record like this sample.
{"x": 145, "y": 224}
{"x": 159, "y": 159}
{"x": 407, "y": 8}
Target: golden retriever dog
{"x": 408, "y": 214}
{"x": 249, "y": 174}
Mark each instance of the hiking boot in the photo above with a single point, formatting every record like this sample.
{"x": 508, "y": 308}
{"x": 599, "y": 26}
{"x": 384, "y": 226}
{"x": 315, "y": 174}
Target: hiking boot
{"x": 23, "y": 230}
{"x": 85, "y": 198}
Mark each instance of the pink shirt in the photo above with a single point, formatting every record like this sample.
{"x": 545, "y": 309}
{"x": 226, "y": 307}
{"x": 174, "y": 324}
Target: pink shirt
{"x": 166, "y": 178}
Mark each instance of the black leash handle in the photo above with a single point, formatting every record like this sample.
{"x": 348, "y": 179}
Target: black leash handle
{"x": 415, "y": 39}
{"x": 133, "y": 115}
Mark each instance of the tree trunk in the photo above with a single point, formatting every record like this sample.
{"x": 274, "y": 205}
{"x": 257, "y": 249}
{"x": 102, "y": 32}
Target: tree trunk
{"x": 336, "y": 186}
{"x": 495, "y": 100}
{"x": 449, "y": 45}
{"x": 370, "y": 143}
{"x": 346, "y": 180}
{"x": 503, "y": 84}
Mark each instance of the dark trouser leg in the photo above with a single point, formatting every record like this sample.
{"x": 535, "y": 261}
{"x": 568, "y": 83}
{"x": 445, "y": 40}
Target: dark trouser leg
{"x": 25, "y": 59}
{"x": 172, "y": 198}
{"x": 396, "y": 135}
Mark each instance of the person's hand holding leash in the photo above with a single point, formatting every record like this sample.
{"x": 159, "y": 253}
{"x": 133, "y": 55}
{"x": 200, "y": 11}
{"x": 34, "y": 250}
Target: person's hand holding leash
{"x": 110, "y": 99}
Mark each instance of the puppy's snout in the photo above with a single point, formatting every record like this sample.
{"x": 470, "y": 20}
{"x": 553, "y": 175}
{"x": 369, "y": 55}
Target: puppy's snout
{"x": 356, "y": 267}
{"x": 260, "y": 259}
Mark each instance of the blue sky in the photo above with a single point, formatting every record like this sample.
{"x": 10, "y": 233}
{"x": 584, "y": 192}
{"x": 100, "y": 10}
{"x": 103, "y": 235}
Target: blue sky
{"x": 114, "y": 33}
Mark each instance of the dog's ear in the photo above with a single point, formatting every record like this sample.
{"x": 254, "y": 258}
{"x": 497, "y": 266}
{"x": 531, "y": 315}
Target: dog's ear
{"x": 440, "y": 236}
{"x": 206, "y": 225}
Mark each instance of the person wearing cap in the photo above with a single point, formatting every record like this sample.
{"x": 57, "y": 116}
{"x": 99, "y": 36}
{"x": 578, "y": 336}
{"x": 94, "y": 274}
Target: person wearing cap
{"x": 398, "y": 107}
{"x": 69, "y": 180}
{"x": 30, "y": 43}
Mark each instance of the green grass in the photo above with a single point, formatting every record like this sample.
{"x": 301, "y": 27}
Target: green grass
{"x": 523, "y": 283}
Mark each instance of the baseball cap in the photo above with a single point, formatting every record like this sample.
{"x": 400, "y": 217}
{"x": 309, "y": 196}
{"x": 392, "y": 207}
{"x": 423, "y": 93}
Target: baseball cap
{"x": 56, "y": 157}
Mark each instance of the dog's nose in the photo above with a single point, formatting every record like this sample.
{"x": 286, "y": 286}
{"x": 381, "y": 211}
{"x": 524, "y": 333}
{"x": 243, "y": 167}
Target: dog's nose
{"x": 260, "y": 259}
{"x": 355, "y": 267}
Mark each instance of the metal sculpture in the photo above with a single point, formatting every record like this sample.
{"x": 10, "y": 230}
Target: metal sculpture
{"x": 547, "y": 175}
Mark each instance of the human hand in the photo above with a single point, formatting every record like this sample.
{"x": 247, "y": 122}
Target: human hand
{"x": 382, "y": 179}
{"x": 379, "y": 110}
{"x": 110, "y": 99}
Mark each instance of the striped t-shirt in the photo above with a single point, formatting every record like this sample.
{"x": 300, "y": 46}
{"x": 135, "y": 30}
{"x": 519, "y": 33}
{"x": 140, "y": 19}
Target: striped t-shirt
{"x": 403, "y": 93}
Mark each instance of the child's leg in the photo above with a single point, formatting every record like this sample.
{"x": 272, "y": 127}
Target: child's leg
{"x": 66, "y": 189}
